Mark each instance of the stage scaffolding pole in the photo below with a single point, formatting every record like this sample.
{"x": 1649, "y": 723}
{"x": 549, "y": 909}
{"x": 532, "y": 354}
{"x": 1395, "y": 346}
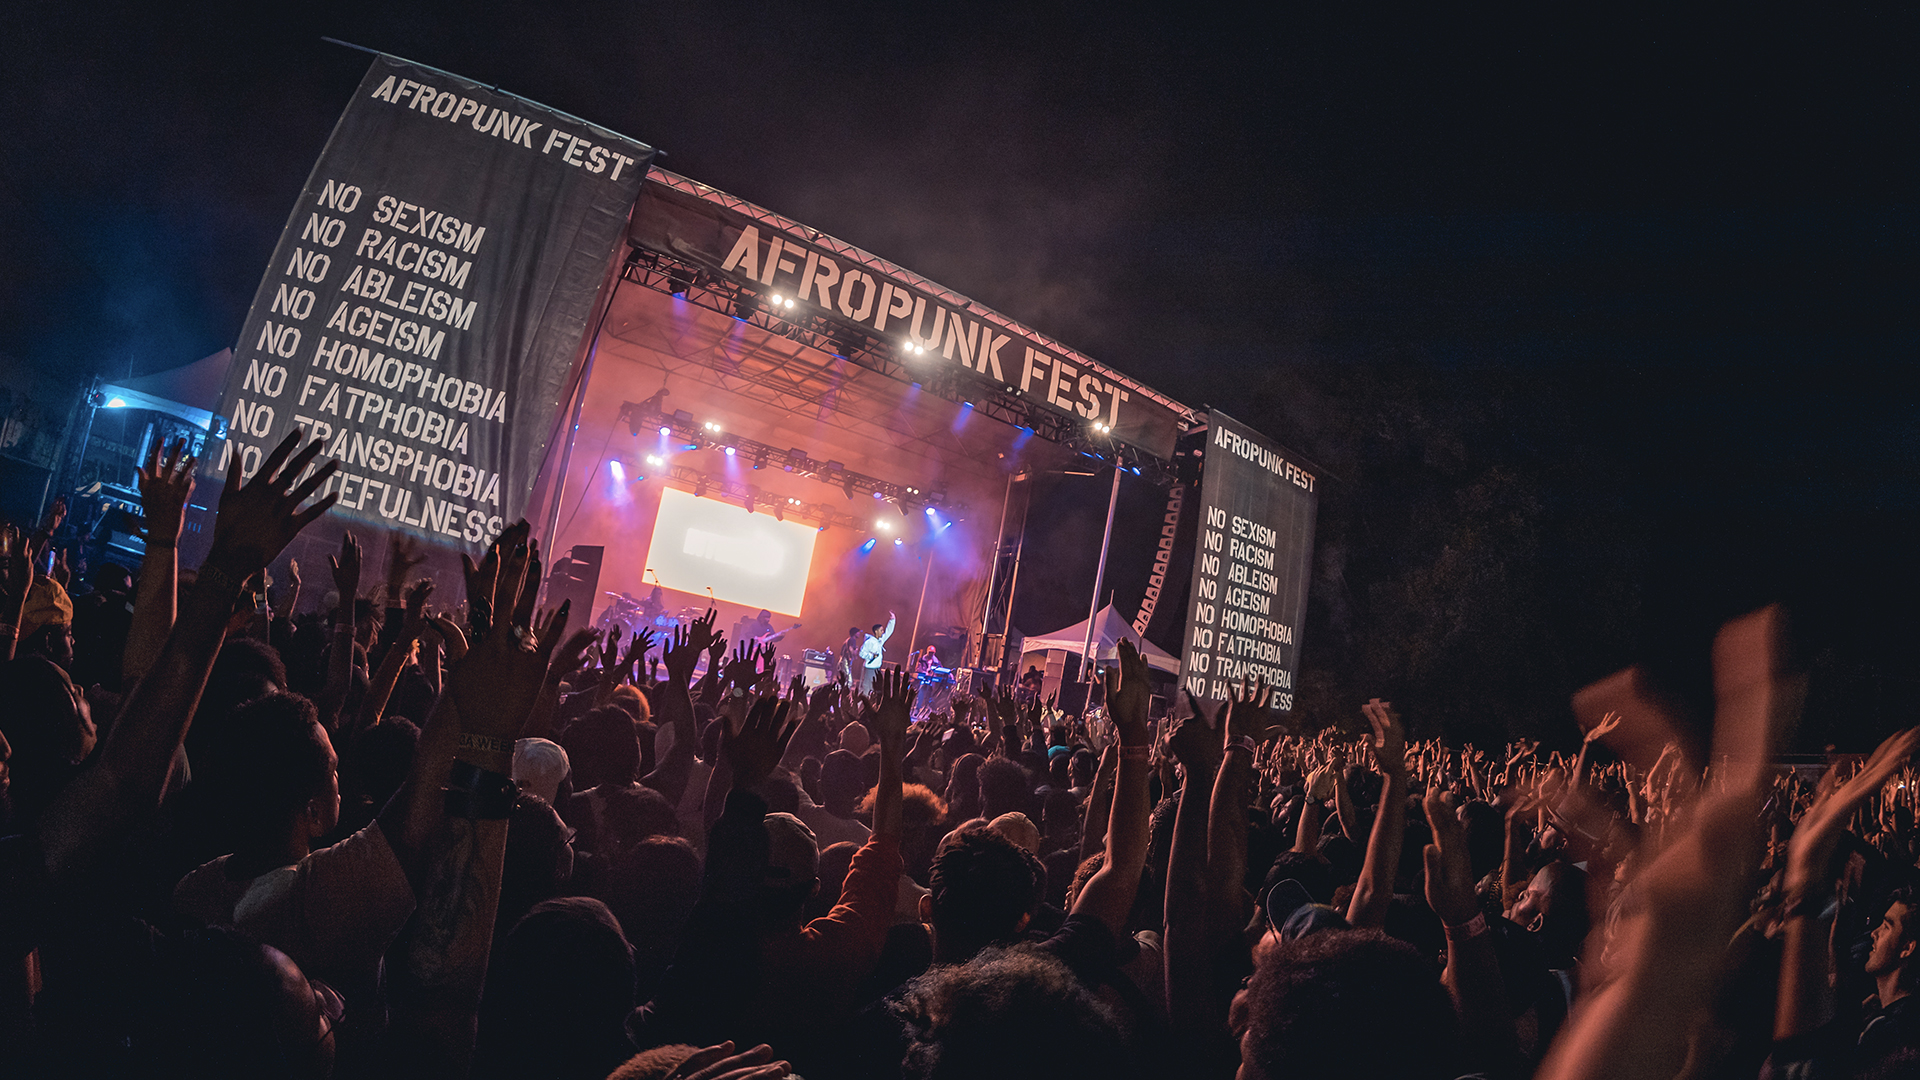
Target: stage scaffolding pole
{"x": 913, "y": 639}
{"x": 993, "y": 575}
{"x": 1099, "y": 579}
{"x": 573, "y": 422}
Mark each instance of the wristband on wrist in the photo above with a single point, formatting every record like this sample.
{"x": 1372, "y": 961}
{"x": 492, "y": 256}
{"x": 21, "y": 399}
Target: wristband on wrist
{"x": 213, "y": 577}
{"x": 479, "y": 794}
{"x": 1465, "y": 931}
{"x": 1241, "y": 742}
{"x": 1136, "y": 753}
{"x": 486, "y": 744}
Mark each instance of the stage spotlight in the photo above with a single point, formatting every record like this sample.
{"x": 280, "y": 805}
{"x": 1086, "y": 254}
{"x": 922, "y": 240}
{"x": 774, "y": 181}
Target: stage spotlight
{"x": 729, "y": 451}
{"x": 931, "y": 512}
{"x": 655, "y": 459}
{"x": 779, "y": 512}
{"x": 679, "y": 280}
{"x": 619, "y": 471}
{"x": 760, "y": 458}
{"x": 745, "y": 305}
{"x": 881, "y": 524}
{"x": 749, "y": 504}
{"x": 796, "y": 459}
{"x": 865, "y": 548}
{"x": 898, "y": 541}
{"x": 700, "y": 488}
{"x": 879, "y": 494}
{"x": 945, "y": 525}
{"x": 776, "y": 299}
{"x": 849, "y": 486}
{"x": 665, "y": 430}
{"x": 966, "y": 404}
{"x": 116, "y": 403}
{"x": 711, "y": 426}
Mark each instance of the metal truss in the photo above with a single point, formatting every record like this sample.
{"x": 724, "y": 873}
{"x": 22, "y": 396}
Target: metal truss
{"x": 870, "y": 261}
{"x": 796, "y": 388}
{"x": 640, "y": 416}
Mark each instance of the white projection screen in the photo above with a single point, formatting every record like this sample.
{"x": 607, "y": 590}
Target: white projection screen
{"x": 749, "y": 559}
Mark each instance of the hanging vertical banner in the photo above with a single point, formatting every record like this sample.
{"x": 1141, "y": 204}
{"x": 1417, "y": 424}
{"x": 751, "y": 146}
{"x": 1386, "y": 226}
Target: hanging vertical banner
{"x": 1252, "y": 560}
{"x": 428, "y": 298}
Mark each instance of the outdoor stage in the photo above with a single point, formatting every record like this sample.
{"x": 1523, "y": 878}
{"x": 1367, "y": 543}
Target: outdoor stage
{"x": 788, "y": 470}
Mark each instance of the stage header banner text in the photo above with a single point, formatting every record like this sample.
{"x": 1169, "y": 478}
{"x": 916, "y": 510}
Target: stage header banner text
{"x": 995, "y": 349}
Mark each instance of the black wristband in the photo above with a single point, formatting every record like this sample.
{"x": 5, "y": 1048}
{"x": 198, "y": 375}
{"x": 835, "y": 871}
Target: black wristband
{"x": 474, "y": 792}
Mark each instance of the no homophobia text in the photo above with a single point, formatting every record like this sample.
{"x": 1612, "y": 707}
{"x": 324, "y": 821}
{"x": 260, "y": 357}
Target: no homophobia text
{"x": 1251, "y": 561}
{"x": 436, "y": 273}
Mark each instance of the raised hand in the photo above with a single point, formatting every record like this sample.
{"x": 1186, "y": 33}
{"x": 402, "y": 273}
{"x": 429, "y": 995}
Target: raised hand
{"x": 1127, "y": 697}
{"x": 1606, "y": 725}
{"x": 700, "y": 632}
{"x": 1818, "y": 835}
{"x": 895, "y": 689}
{"x": 259, "y": 518}
{"x": 571, "y": 656}
{"x": 1193, "y": 741}
{"x": 756, "y": 747}
{"x": 403, "y": 554}
{"x": 1449, "y": 871}
{"x": 481, "y": 577}
{"x": 1320, "y": 783}
{"x": 346, "y": 571}
{"x": 1246, "y": 715}
{"x": 416, "y": 619}
{"x": 495, "y": 686}
{"x": 164, "y": 489}
{"x": 681, "y": 655}
{"x": 1389, "y": 741}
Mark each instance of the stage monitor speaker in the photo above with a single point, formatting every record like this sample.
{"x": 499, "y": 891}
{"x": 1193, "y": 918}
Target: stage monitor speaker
{"x": 577, "y": 579}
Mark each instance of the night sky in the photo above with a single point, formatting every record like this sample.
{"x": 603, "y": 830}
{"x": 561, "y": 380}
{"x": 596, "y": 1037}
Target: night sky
{"x": 1596, "y": 321}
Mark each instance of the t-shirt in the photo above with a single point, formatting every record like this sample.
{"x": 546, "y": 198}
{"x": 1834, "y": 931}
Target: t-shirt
{"x": 334, "y": 912}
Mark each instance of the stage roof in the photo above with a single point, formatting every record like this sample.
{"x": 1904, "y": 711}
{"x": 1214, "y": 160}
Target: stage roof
{"x": 729, "y": 255}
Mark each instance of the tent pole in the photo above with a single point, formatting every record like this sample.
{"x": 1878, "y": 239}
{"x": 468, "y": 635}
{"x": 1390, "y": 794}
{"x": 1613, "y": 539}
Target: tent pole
{"x": 1099, "y": 579}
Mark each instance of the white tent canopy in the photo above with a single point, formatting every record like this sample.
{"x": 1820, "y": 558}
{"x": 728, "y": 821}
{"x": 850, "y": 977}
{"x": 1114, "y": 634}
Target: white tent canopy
{"x": 1108, "y": 628}
{"x": 190, "y": 392}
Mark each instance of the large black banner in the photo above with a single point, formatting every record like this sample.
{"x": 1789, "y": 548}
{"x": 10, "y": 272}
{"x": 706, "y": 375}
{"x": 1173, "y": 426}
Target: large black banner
{"x": 850, "y": 286}
{"x": 1251, "y": 564}
{"x": 428, "y": 298}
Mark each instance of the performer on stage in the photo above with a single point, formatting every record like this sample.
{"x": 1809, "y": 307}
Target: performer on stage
{"x": 653, "y": 605}
{"x": 928, "y": 659}
{"x": 863, "y": 654}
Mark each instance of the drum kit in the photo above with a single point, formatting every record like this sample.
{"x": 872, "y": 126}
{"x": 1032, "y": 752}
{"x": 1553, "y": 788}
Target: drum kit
{"x": 630, "y": 615}
{"x": 936, "y": 692}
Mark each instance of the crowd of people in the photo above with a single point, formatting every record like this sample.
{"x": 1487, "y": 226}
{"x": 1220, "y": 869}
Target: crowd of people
{"x": 360, "y": 834}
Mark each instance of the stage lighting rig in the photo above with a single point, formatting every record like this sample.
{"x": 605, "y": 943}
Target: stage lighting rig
{"x": 760, "y": 458}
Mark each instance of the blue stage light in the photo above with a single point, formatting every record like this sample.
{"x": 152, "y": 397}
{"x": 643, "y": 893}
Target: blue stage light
{"x": 666, "y": 431}
{"x": 619, "y": 470}
{"x": 897, "y": 541}
{"x": 868, "y": 546}
{"x": 931, "y": 512}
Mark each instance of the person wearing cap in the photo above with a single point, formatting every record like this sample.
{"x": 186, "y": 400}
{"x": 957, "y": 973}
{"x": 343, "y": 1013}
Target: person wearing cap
{"x": 749, "y": 969}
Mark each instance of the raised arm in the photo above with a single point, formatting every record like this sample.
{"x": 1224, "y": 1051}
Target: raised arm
{"x": 1673, "y": 949}
{"x": 1472, "y": 976}
{"x": 346, "y": 580}
{"x": 1109, "y": 894}
{"x": 256, "y": 521}
{"x": 165, "y": 487}
{"x": 1806, "y": 988}
{"x": 399, "y": 651}
{"x": 1184, "y": 932}
{"x": 1374, "y": 892}
{"x": 462, "y": 833}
